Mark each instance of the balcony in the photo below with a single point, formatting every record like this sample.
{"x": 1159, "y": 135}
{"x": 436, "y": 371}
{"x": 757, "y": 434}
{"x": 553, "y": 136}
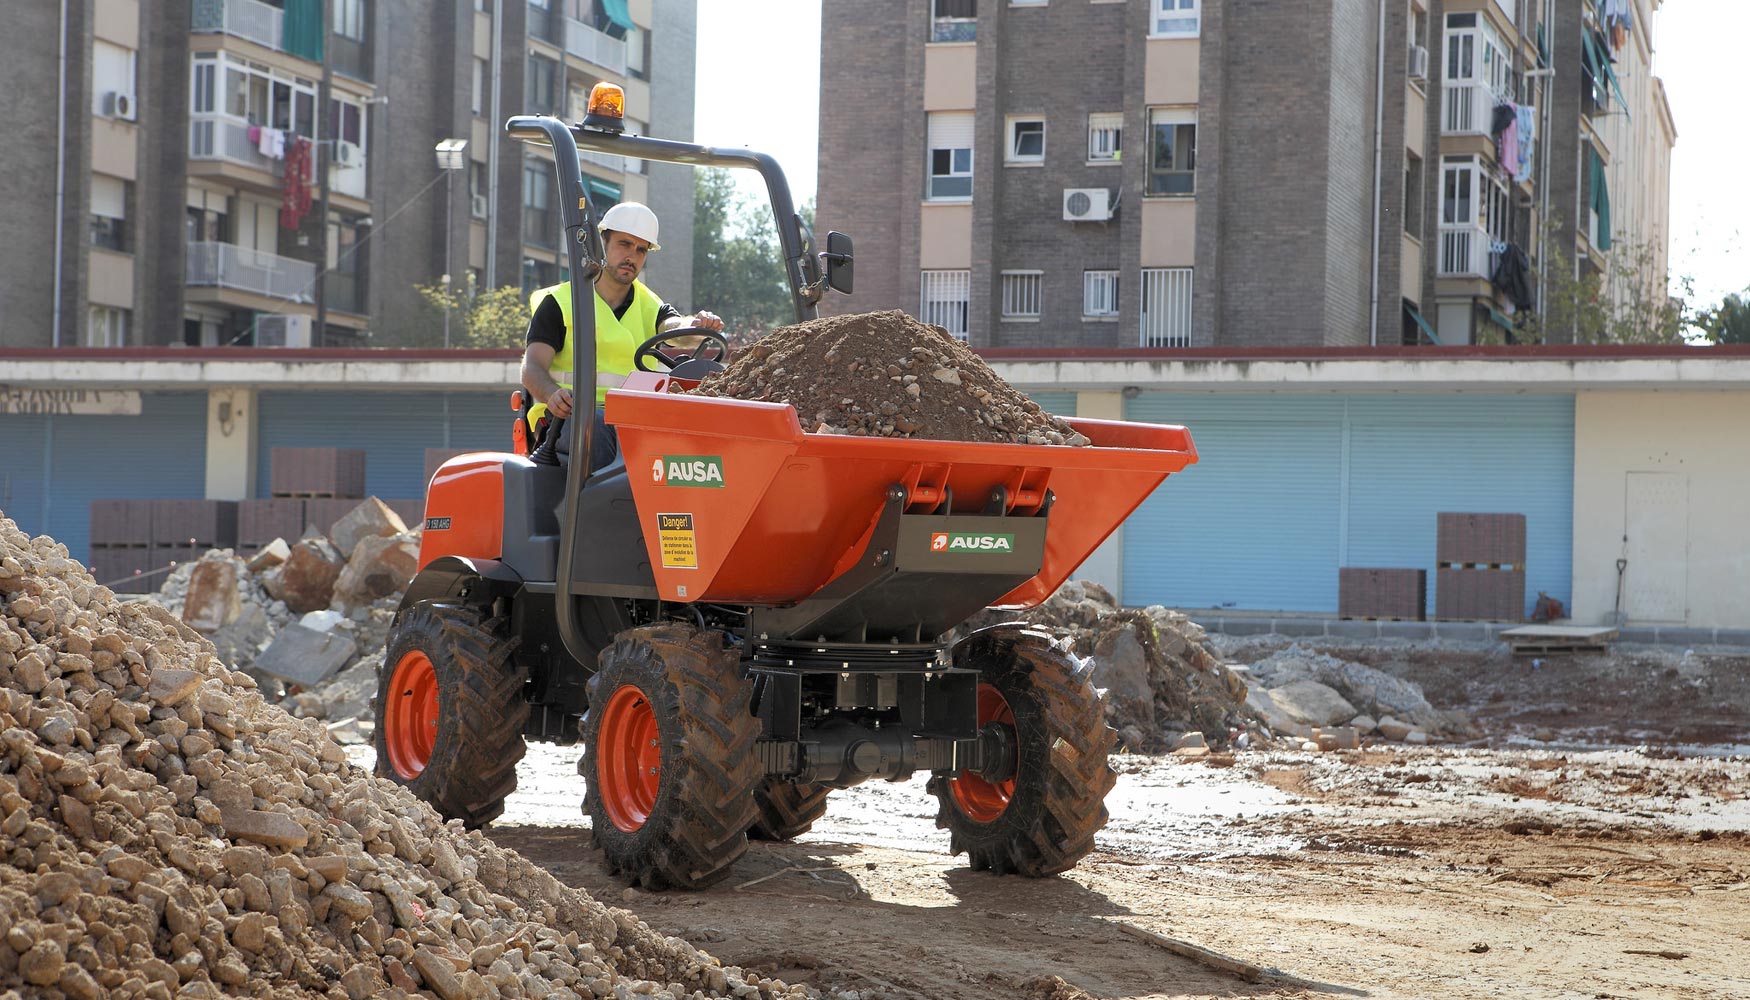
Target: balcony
{"x": 541, "y": 20}
{"x": 261, "y": 23}
{"x": 1464, "y": 252}
{"x": 608, "y": 161}
{"x": 350, "y": 57}
{"x": 225, "y": 265}
{"x": 1466, "y": 108}
{"x": 594, "y": 46}
{"x": 220, "y": 137}
{"x": 953, "y": 29}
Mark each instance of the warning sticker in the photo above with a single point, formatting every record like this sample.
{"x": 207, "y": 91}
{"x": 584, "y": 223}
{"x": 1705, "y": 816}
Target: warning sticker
{"x": 674, "y": 535}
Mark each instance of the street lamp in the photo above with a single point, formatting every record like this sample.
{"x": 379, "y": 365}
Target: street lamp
{"x": 451, "y": 157}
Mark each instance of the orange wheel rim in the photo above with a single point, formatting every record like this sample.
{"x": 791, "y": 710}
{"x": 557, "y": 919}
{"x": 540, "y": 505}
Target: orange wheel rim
{"x": 628, "y": 758}
{"x": 411, "y": 716}
{"x": 983, "y": 801}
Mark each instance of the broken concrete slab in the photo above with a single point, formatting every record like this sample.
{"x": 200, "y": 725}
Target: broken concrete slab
{"x": 306, "y": 582}
{"x": 212, "y": 601}
{"x": 1311, "y": 703}
{"x": 272, "y": 554}
{"x": 370, "y": 519}
{"x": 301, "y": 655}
{"x": 1393, "y": 729}
{"x": 380, "y": 566}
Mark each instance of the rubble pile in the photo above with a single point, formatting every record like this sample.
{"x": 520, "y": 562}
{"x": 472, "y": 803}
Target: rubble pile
{"x": 1303, "y": 692}
{"x": 1164, "y": 688}
{"x": 885, "y": 374}
{"x": 165, "y": 832}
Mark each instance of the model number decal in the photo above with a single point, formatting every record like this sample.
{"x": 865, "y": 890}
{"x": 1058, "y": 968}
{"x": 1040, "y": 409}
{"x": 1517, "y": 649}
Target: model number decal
{"x": 437, "y": 524}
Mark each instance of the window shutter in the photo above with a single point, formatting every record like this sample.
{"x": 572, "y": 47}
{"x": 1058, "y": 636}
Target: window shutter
{"x": 109, "y": 197}
{"x": 950, "y": 129}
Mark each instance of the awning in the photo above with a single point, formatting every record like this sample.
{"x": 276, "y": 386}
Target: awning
{"x": 1600, "y": 199}
{"x": 1601, "y": 64}
{"x": 1501, "y": 319}
{"x": 602, "y": 194}
{"x": 617, "y": 13}
{"x": 1427, "y": 330}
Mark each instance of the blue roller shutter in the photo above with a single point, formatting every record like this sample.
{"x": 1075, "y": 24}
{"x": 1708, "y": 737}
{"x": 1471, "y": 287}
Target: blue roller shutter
{"x": 159, "y": 455}
{"x": 1253, "y": 524}
{"x": 1061, "y": 403}
{"x": 393, "y": 429}
{"x": 1289, "y": 488}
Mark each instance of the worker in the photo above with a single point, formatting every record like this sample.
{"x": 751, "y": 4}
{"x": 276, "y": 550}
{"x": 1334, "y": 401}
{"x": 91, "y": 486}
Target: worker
{"x": 627, "y": 313}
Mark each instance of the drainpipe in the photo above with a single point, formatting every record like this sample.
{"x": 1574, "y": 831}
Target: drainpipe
{"x": 1378, "y": 173}
{"x": 60, "y": 176}
{"x": 492, "y": 143}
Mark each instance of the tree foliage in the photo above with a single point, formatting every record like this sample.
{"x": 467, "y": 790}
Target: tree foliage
{"x": 1728, "y": 322}
{"x": 738, "y": 269}
{"x": 1625, "y": 303}
{"x": 494, "y": 317}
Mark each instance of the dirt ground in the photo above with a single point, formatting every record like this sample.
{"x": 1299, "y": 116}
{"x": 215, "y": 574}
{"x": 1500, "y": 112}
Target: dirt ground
{"x": 1587, "y": 847}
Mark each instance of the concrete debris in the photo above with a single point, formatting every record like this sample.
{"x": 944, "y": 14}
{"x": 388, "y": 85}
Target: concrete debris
{"x": 1366, "y": 691}
{"x": 168, "y": 832}
{"x": 303, "y": 656}
{"x": 1312, "y": 704}
{"x": 272, "y": 554}
{"x": 305, "y": 582}
{"x": 371, "y": 519}
{"x": 381, "y": 566}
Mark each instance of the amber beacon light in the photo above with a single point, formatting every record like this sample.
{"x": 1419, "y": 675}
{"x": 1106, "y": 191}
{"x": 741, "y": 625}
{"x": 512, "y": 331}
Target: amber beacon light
{"x": 607, "y": 108}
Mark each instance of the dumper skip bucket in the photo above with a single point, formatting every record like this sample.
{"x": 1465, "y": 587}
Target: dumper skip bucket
{"x": 740, "y": 506}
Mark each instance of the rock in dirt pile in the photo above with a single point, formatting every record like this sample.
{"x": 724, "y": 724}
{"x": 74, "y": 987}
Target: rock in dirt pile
{"x": 164, "y": 832}
{"x": 885, "y": 374}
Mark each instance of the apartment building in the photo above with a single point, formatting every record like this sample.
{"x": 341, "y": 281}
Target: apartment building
{"x": 236, "y": 172}
{"x": 1155, "y": 173}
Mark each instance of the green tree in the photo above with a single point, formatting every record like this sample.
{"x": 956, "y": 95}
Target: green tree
{"x": 1621, "y": 304}
{"x": 738, "y": 269}
{"x": 494, "y": 317}
{"x": 1728, "y": 322}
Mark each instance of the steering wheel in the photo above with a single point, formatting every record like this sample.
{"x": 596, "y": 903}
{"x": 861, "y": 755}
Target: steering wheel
{"x": 708, "y": 338}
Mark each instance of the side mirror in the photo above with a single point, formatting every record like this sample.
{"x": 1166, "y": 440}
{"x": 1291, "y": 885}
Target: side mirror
{"x": 838, "y": 262}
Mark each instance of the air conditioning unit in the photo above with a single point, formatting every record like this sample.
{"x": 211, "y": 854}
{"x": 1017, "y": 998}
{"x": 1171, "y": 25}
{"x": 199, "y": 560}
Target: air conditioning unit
{"x": 119, "y": 104}
{"x": 277, "y": 330}
{"x": 1087, "y": 204}
{"x": 1418, "y": 62}
{"x": 479, "y": 205}
{"x": 347, "y": 154}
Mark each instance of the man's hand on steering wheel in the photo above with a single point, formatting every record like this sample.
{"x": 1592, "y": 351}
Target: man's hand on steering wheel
{"x": 701, "y": 338}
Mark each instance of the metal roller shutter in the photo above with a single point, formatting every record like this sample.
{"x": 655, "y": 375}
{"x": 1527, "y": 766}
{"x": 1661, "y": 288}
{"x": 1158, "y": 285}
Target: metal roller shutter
{"x": 393, "y": 429}
{"x": 1061, "y": 403}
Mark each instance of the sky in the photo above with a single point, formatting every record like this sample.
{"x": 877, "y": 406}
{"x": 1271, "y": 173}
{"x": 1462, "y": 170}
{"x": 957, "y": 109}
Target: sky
{"x": 1698, "y": 52}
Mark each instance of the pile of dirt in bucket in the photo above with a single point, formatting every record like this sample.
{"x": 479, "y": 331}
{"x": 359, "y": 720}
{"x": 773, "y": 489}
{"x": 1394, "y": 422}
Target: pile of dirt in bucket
{"x": 165, "y": 832}
{"x": 885, "y": 374}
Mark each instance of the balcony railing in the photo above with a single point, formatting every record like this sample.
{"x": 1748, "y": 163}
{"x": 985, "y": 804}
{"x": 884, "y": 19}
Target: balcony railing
{"x": 541, "y": 19}
{"x": 1464, "y": 252}
{"x": 611, "y": 161}
{"x": 953, "y": 29}
{"x": 1466, "y": 109}
{"x": 594, "y": 46}
{"x": 225, "y": 265}
{"x": 259, "y": 22}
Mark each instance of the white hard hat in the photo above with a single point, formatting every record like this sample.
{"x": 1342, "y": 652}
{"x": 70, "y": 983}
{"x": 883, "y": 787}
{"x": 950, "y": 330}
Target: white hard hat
{"x": 631, "y": 218}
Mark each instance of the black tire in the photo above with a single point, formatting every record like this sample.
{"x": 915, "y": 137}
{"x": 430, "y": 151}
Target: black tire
{"x": 787, "y": 809}
{"x": 1046, "y": 820}
{"x": 685, "y": 828}
{"x": 468, "y": 766}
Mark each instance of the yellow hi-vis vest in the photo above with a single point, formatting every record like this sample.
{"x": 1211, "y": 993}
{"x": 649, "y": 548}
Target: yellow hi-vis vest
{"x": 616, "y": 339}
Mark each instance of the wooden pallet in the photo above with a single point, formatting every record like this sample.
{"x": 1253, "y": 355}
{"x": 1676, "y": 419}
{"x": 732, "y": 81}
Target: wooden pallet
{"x": 1378, "y": 618}
{"x": 1556, "y": 640}
{"x": 1558, "y": 649}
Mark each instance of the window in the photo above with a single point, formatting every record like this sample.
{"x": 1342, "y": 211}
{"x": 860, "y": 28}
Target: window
{"x": 477, "y": 189}
{"x": 347, "y": 120}
{"x": 636, "y": 39}
{"x": 538, "y": 274}
{"x": 945, "y": 298}
{"x": 1458, "y": 191}
{"x": 1105, "y": 132}
{"x": 1021, "y": 294}
{"x": 1099, "y": 294}
{"x": 252, "y": 93}
{"x": 1026, "y": 140}
{"x": 538, "y": 222}
{"x": 953, "y": 20}
{"x": 1413, "y": 194}
{"x": 1028, "y": 3}
{"x": 477, "y": 95}
{"x": 1172, "y": 162}
{"x": 112, "y": 72}
{"x": 1166, "y": 307}
{"x": 109, "y": 213}
{"x": 950, "y": 166}
{"x": 543, "y": 85}
{"x": 1176, "y": 18}
{"x": 349, "y": 19}
{"x": 106, "y": 326}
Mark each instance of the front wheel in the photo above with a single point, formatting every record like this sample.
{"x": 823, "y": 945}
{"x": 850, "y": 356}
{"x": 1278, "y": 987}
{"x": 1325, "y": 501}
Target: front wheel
{"x": 450, "y": 711}
{"x": 669, "y": 757}
{"x": 1035, "y": 811}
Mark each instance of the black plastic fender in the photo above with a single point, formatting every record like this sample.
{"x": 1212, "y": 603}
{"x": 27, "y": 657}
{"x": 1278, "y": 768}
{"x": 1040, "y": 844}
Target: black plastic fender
{"x": 461, "y": 577}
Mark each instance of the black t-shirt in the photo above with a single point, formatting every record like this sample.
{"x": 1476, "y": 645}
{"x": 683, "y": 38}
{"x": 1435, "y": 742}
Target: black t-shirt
{"x": 547, "y": 326}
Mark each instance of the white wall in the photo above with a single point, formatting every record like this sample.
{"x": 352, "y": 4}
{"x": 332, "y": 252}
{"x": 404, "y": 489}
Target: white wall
{"x": 1685, "y": 456}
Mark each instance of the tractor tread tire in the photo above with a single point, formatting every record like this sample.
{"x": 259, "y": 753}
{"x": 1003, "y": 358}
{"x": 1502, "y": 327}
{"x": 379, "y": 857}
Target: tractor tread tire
{"x": 1062, "y": 775}
{"x": 481, "y": 711}
{"x": 697, "y": 827}
{"x": 787, "y": 809}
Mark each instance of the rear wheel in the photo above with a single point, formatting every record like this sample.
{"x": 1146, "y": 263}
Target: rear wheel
{"x": 1035, "y": 810}
{"x": 450, "y": 711}
{"x": 669, "y": 757}
{"x": 787, "y": 809}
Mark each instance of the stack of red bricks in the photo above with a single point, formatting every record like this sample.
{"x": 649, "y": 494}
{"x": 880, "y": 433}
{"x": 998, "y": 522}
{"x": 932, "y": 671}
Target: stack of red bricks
{"x": 1398, "y": 594}
{"x": 311, "y": 488}
{"x": 1481, "y": 574}
{"x": 131, "y": 539}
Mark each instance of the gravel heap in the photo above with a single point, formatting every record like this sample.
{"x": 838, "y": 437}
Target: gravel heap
{"x": 166, "y": 832}
{"x": 885, "y": 374}
{"x": 1160, "y": 678}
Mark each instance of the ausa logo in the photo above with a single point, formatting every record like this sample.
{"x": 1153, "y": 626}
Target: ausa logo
{"x": 687, "y": 470}
{"x": 966, "y": 541}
